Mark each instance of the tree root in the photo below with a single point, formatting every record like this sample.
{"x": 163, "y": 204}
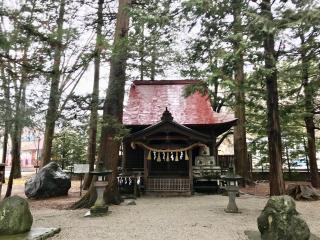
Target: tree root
{"x": 86, "y": 201}
{"x": 111, "y": 196}
{"x": 87, "y": 181}
{"x": 303, "y": 192}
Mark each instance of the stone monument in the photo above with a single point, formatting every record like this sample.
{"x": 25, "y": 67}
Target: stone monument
{"x": 16, "y": 221}
{"x": 15, "y": 216}
{"x": 280, "y": 220}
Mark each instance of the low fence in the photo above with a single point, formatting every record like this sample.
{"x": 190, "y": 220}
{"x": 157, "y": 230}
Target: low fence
{"x": 294, "y": 175}
{"x": 225, "y": 161}
{"x": 168, "y": 184}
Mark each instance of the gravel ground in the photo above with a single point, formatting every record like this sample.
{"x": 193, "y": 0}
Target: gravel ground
{"x": 197, "y": 217}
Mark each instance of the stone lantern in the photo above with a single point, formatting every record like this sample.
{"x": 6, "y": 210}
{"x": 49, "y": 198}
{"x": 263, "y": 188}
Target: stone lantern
{"x": 232, "y": 187}
{"x": 100, "y": 207}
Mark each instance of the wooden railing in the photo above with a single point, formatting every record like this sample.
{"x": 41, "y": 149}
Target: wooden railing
{"x": 168, "y": 184}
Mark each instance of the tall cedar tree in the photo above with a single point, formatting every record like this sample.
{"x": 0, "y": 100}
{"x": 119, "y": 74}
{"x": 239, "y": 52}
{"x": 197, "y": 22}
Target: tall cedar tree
{"x": 6, "y": 94}
{"x": 92, "y": 145}
{"x": 113, "y": 105}
{"x": 20, "y": 82}
{"x": 240, "y": 144}
{"x": 305, "y": 25}
{"x": 274, "y": 132}
{"x": 309, "y": 109}
{"x": 224, "y": 70}
{"x": 52, "y": 112}
{"x": 112, "y": 110}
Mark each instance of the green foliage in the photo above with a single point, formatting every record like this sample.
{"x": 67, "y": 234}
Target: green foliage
{"x": 289, "y": 24}
{"x": 210, "y": 54}
{"x": 111, "y": 125}
{"x": 69, "y": 147}
{"x": 152, "y": 37}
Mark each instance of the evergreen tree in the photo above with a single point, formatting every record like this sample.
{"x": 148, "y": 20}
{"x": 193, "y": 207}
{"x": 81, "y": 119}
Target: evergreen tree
{"x": 303, "y": 22}
{"x": 52, "y": 113}
{"x": 16, "y": 74}
{"x": 152, "y": 38}
{"x": 220, "y": 48}
{"x": 266, "y": 36}
{"x": 113, "y": 109}
{"x": 92, "y": 144}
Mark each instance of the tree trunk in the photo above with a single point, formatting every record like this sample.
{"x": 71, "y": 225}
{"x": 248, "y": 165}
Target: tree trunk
{"x": 113, "y": 105}
{"x": 288, "y": 161}
{"x": 153, "y": 60}
{"x": 16, "y": 149}
{"x": 92, "y": 145}
{"x": 18, "y": 121}
{"x": 153, "y": 64}
{"x": 52, "y": 112}
{"x": 142, "y": 53}
{"x": 240, "y": 144}
{"x": 8, "y": 116}
{"x": 274, "y": 132}
{"x": 112, "y": 110}
{"x": 309, "y": 116}
{"x": 14, "y": 159}
{"x": 8, "y": 113}
{"x": 5, "y": 146}
{"x": 5, "y": 143}
{"x": 306, "y": 154}
{"x": 16, "y": 133}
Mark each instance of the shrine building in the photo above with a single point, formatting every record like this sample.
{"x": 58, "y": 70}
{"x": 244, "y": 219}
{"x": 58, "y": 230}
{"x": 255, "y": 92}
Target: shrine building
{"x": 172, "y": 137}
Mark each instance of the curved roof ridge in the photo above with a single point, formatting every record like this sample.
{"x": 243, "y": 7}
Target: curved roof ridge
{"x": 166, "y": 82}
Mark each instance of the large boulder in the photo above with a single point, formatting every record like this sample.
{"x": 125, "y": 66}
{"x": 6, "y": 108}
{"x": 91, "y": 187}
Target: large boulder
{"x": 15, "y": 216}
{"x": 279, "y": 220}
{"x": 50, "y": 181}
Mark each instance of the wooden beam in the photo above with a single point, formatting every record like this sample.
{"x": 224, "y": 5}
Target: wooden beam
{"x": 145, "y": 168}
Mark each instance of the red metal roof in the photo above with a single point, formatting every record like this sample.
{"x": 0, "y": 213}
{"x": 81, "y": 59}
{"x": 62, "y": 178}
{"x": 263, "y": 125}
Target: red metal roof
{"x": 149, "y": 99}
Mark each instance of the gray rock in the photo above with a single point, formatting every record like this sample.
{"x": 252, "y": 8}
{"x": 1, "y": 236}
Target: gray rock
{"x": 131, "y": 202}
{"x": 279, "y": 220}
{"x": 50, "y": 181}
{"x": 15, "y": 216}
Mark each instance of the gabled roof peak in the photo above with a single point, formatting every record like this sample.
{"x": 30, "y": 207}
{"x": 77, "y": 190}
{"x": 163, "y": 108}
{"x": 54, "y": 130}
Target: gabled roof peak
{"x": 167, "y": 116}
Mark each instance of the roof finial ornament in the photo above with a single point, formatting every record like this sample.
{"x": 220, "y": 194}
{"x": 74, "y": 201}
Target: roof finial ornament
{"x": 166, "y": 116}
